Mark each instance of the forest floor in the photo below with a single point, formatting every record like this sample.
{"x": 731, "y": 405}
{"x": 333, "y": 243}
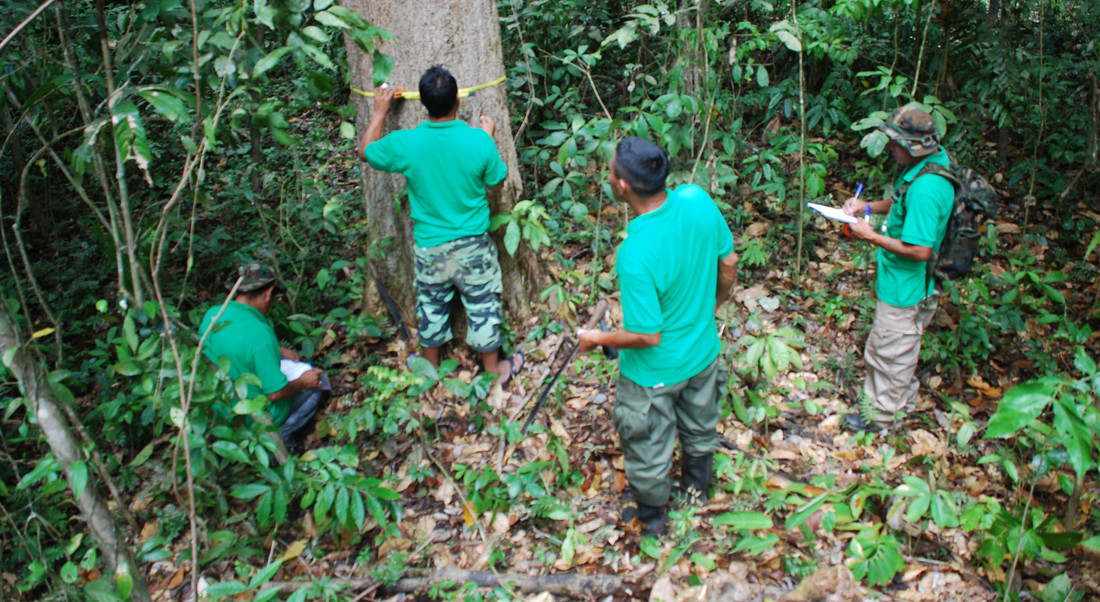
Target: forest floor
{"x": 550, "y": 504}
{"x": 481, "y": 504}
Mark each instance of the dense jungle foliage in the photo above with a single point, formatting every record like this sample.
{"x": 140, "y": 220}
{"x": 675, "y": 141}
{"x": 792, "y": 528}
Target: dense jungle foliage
{"x": 152, "y": 146}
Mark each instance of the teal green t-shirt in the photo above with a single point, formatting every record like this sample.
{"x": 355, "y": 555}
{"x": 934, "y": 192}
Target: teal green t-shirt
{"x": 447, "y": 166}
{"x": 244, "y": 335}
{"x": 668, "y": 276}
{"x": 918, "y": 219}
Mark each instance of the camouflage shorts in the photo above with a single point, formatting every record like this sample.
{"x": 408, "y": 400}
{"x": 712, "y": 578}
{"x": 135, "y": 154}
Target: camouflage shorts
{"x": 470, "y": 266}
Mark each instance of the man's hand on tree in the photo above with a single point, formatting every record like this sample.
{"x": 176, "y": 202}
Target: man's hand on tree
{"x": 488, "y": 125}
{"x": 383, "y": 98}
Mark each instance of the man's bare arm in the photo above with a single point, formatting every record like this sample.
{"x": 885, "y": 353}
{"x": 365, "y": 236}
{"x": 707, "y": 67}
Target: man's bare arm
{"x": 310, "y": 379}
{"x": 383, "y": 99}
{"x": 727, "y": 277}
{"x": 619, "y": 339}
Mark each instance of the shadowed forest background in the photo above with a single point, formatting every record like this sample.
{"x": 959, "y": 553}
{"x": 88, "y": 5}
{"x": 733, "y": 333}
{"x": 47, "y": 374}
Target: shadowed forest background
{"x": 151, "y": 147}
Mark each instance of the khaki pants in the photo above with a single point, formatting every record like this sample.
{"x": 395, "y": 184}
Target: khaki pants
{"x": 648, "y": 420}
{"x": 891, "y": 355}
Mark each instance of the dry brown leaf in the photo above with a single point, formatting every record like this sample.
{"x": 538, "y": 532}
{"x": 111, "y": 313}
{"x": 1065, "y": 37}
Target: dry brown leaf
{"x": 501, "y": 524}
{"x": 393, "y": 544}
{"x": 150, "y": 529}
{"x": 424, "y": 527}
{"x": 444, "y": 493}
{"x": 757, "y": 229}
{"x": 469, "y": 513}
{"x": 976, "y": 381}
{"x": 926, "y": 444}
{"x": 618, "y": 483}
{"x": 294, "y": 549}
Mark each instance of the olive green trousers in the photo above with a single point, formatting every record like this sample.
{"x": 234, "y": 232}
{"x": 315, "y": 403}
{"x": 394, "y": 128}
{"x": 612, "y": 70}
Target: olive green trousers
{"x": 648, "y": 420}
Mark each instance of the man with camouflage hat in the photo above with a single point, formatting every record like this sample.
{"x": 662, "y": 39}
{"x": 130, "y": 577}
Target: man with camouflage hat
{"x": 243, "y": 334}
{"x": 917, "y": 214}
{"x": 449, "y": 166}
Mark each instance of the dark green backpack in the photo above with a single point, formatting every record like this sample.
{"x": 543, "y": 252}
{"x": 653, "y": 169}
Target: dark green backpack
{"x": 975, "y": 202}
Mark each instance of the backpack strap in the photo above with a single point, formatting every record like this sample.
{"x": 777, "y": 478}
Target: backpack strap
{"x": 899, "y": 197}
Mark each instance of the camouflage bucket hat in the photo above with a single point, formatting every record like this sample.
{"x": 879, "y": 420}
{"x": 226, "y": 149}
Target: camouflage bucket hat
{"x": 914, "y": 130}
{"x": 255, "y": 276}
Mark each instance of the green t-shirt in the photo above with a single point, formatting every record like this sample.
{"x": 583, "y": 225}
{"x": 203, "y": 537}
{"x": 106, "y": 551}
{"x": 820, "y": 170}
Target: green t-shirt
{"x": 923, "y": 221}
{"x": 668, "y": 275}
{"x": 244, "y": 335}
{"x": 447, "y": 166}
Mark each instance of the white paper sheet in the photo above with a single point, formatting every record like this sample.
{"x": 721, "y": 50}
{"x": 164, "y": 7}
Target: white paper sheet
{"x": 832, "y": 213}
{"x": 292, "y": 369}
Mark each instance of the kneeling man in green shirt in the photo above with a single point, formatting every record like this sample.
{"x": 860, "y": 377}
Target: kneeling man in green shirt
{"x": 448, "y": 167}
{"x": 918, "y": 212}
{"x": 675, "y": 268}
{"x": 243, "y": 334}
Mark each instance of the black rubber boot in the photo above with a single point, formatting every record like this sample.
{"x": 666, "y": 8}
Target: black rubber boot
{"x": 653, "y": 518}
{"x": 695, "y": 473}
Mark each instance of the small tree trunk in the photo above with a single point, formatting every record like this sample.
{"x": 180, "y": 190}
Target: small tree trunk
{"x": 54, "y": 425}
{"x": 464, "y": 37}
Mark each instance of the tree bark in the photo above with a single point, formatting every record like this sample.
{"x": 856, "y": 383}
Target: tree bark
{"x": 463, "y": 36}
{"x": 54, "y": 425}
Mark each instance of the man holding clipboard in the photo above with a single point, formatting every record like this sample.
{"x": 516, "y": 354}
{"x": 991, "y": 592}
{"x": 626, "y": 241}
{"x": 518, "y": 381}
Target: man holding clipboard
{"x": 917, "y": 214}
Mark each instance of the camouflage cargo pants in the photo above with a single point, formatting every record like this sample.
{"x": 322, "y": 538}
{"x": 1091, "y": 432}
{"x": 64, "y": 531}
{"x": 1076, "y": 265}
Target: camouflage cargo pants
{"x": 468, "y": 265}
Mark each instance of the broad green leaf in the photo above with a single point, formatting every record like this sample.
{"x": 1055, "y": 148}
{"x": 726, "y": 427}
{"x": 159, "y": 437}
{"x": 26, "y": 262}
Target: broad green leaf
{"x": 1092, "y": 543}
{"x": 1020, "y": 405}
{"x": 327, "y": 18}
{"x": 78, "y": 476}
{"x": 743, "y": 520}
{"x": 129, "y": 134}
{"x": 269, "y": 61}
{"x": 129, "y": 331}
{"x": 70, "y": 572}
{"x": 249, "y": 491}
{"x": 169, "y": 105}
{"x": 246, "y": 407}
{"x": 650, "y": 547}
{"x": 568, "y": 546}
{"x": 790, "y": 40}
{"x": 944, "y": 512}
{"x": 1076, "y": 436}
{"x": 124, "y": 581}
{"x": 347, "y": 130}
{"x": 44, "y": 467}
{"x": 762, "y": 76}
{"x": 511, "y": 238}
{"x": 316, "y": 33}
{"x": 225, "y": 588}
{"x": 265, "y": 574}
{"x": 874, "y": 142}
{"x": 230, "y": 450}
{"x": 757, "y": 545}
{"x": 143, "y": 456}
{"x": 703, "y": 561}
{"x": 382, "y": 65}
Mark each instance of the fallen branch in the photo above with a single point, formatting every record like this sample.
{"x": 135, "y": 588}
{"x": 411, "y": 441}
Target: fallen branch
{"x": 575, "y": 585}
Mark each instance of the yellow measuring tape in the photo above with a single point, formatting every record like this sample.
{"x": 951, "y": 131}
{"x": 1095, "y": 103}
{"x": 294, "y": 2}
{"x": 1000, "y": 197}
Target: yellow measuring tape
{"x": 412, "y": 95}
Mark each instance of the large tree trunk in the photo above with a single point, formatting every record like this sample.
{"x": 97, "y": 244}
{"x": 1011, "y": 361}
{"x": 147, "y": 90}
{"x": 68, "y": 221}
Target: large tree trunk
{"x": 59, "y": 436}
{"x": 464, "y": 37}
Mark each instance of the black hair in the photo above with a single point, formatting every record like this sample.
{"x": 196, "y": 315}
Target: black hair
{"x": 438, "y": 91}
{"x": 642, "y": 164}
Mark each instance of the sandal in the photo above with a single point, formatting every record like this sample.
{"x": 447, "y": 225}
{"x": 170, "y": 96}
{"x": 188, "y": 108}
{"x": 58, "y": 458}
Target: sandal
{"x": 512, "y": 369}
